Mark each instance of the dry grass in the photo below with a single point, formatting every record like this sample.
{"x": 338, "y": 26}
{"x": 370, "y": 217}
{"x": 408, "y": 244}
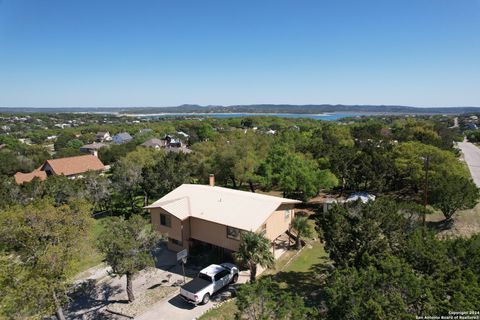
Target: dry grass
{"x": 466, "y": 222}
{"x": 143, "y": 302}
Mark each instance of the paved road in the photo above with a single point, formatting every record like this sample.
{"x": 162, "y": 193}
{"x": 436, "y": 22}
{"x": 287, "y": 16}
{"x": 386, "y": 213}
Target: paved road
{"x": 471, "y": 154}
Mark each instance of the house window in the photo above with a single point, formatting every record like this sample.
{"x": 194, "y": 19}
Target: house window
{"x": 165, "y": 220}
{"x": 286, "y": 215}
{"x": 233, "y": 233}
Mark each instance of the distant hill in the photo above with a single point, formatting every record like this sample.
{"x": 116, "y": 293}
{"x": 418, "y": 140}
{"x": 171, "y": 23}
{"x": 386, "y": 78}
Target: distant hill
{"x": 258, "y": 108}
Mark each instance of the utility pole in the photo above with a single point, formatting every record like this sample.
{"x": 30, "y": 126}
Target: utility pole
{"x": 426, "y": 161}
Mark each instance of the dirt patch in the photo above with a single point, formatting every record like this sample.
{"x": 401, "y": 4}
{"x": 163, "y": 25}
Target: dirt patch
{"x": 465, "y": 223}
{"x": 143, "y": 302}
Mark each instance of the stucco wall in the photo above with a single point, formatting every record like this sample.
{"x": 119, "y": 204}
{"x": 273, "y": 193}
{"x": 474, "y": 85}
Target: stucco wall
{"x": 277, "y": 224}
{"x": 212, "y": 233}
{"x": 215, "y": 233}
{"x": 175, "y": 231}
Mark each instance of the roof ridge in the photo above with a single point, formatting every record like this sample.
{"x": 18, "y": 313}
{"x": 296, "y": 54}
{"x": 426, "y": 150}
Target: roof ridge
{"x": 241, "y": 192}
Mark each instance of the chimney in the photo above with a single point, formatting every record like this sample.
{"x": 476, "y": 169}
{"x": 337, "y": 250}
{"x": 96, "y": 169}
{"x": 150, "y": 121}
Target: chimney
{"x": 212, "y": 180}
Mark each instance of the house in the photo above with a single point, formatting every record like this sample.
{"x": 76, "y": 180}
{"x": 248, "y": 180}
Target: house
{"x": 121, "y": 138}
{"x": 145, "y": 131}
{"x": 362, "y": 196}
{"x": 21, "y": 177}
{"x": 472, "y": 126}
{"x": 71, "y": 167}
{"x": 168, "y": 143}
{"x": 93, "y": 148}
{"x": 181, "y": 133}
{"x": 155, "y": 143}
{"x": 103, "y": 137}
{"x": 195, "y": 214}
{"x": 328, "y": 204}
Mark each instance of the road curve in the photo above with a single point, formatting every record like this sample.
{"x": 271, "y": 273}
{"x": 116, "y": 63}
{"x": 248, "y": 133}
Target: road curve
{"x": 471, "y": 154}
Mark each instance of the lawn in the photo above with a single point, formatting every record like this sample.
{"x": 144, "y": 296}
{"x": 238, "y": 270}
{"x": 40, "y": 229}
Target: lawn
{"x": 90, "y": 256}
{"x": 225, "y": 312}
{"x": 312, "y": 255}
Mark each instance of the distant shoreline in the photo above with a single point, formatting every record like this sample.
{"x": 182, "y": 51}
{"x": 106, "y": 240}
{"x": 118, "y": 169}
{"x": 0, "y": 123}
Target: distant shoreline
{"x": 326, "y": 114}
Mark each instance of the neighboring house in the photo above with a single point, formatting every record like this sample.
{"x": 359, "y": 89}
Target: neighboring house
{"x": 328, "y": 203}
{"x": 71, "y": 167}
{"x": 362, "y": 196}
{"x": 155, "y": 143}
{"x": 103, "y": 137}
{"x": 472, "y": 126}
{"x": 168, "y": 143}
{"x": 21, "y": 177}
{"x": 92, "y": 148}
{"x": 123, "y": 137}
{"x": 193, "y": 214}
{"x": 181, "y": 133}
{"x": 146, "y": 130}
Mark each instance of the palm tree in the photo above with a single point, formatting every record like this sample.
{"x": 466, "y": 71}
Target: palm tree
{"x": 302, "y": 228}
{"x": 255, "y": 249}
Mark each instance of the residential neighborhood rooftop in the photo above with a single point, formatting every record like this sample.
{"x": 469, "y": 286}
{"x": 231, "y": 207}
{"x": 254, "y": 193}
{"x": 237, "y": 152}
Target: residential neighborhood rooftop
{"x": 75, "y": 165}
{"x": 21, "y": 177}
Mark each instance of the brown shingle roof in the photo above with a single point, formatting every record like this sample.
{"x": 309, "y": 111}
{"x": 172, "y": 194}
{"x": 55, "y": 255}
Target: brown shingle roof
{"x": 75, "y": 165}
{"x": 27, "y": 177}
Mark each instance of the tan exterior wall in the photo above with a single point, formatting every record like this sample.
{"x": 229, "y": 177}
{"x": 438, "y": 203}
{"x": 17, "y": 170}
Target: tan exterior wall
{"x": 277, "y": 223}
{"x": 212, "y": 233}
{"x": 175, "y": 231}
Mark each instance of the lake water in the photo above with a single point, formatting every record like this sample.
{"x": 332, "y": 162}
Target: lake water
{"x": 324, "y": 116}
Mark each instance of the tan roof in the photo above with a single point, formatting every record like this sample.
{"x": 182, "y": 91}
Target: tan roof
{"x": 155, "y": 143}
{"x": 75, "y": 165}
{"x": 27, "y": 177}
{"x": 239, "y": 209}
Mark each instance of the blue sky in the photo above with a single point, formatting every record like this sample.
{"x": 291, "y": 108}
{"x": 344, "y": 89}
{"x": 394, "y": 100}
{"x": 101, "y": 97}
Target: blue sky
{"x": 57, "y": 53}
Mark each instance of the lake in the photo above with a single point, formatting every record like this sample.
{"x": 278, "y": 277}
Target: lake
{"x": 324, "y": 116}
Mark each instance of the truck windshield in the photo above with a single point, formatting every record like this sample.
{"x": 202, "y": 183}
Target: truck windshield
{"x": 205, "y": 277}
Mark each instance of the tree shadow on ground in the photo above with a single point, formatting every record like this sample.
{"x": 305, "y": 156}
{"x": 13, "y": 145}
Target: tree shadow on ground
{"x": 439, "y": 226}
{"x": 89, "y": 299}
{"x": 308, "y": 285}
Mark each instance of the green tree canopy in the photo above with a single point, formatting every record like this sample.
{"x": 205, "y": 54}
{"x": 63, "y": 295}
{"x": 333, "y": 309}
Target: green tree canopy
{"x": 386, "y": 289}
{"x": 265, "y": 299}
{"x": 128, "y": 247}
{"x": 303, "y": 228}
{"x": 40, "y": 240}
{"x": 450, "y": 193}
{"x": 353, "y": 235}
{"x": 254, "y": 249}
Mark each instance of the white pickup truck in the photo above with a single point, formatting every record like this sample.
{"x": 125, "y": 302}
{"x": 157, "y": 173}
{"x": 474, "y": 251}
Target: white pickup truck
{"x": 209, "y": 280}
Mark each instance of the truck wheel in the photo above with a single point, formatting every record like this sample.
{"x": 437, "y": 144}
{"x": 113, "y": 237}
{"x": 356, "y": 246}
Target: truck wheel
{"x": 206, "y": 298}
{"x": 235, "y": 278}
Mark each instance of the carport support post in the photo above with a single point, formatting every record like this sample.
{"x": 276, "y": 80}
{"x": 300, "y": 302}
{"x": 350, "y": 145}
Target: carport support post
{"x": 183, "y": 269}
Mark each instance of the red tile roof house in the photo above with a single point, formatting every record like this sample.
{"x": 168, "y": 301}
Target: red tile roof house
{"x": 70, "y": 167}
{"x": 217, "y": 216}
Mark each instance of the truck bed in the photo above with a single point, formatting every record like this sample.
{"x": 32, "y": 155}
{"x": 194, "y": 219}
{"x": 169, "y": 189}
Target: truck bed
{"x": 195, "y": 285}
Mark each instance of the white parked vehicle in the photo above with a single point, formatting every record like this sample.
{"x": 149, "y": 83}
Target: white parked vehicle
{"x": 209, "y": 280}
